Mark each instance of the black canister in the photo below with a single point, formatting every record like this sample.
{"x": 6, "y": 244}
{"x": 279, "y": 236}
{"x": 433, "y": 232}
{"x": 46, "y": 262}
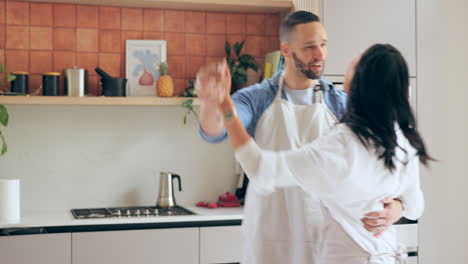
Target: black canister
{"x": 20, "y": 84}
{"x": 51, "y": 84}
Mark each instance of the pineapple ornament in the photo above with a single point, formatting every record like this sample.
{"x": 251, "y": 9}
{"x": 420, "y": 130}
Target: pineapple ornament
{"x": 165, "y": 84}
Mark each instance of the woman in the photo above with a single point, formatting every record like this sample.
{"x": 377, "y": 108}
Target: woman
{"x": 372, "y": 154}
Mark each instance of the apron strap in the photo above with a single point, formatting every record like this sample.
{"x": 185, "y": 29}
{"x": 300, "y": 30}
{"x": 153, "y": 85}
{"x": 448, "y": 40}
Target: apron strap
{"x": 317, "y": 97}
{"x": 319, "y": 94}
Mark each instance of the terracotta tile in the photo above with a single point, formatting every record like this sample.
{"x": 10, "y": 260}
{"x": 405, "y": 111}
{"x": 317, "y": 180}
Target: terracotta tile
{"x": 195, "y": 44}
{"x": 126, "y": 35}
{"x": 235, "y": 38}
{"x": 40, "y": 14}
{"x": 64, "y": 38}
{"x": 88, "y": 61}
{"x": 175, "y": 21}
{"x": 110, "y": 63}
{"x": 123, "y": 61}
{"x": 153, "y": 20}
{"x": 63, "y": 60}
{"x": 154, "y": 35}
{"x": 260, "y": 61}
{"x": 215, "y": 23}
{"x": 255, "y": 24}
{"x": 87, "y": 16}
{"x": 214, "y": 59}
{"x": 2, "y": 36}
{"x": 271, "y": 44}
{"x": 132, "y": 19}
{"x": 40, "y": 61}
{"x": 179, "y": 86}
{"x": 272, "y": 24}
{"x": 87, "y": 39}
{"x": 235, "y": 23}
{"x": 2, "y": 56}
{"x": 2, "y": 12}
{"x": 40, "y": 38}
{"x": 254, "y": 46}
{"x": 215, "y": 45}
{"x": 176, "y": 66}
{"x": 17, "y": 60}
{"x": 109, "y": 17}
{"x": 175, "y": 43}
{"x": 94, "y": 88}
{"x": 193, "y": 64}
{"x": 109, "y": 41}
{"x": 195, "y": 22}
{"x": 35, "y": 82}
{"x": 64, "y": 15}
{"x": 17, "y": 37}
{"x": 17, "y": 13}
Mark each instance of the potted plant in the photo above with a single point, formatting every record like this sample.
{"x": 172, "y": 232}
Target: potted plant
{"x": 238, "y": 66}
{"x": 6, "y": 77}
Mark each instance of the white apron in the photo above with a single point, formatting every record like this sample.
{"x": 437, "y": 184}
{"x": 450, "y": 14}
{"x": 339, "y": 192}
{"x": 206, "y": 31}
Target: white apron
{"x": 285, "y": 226}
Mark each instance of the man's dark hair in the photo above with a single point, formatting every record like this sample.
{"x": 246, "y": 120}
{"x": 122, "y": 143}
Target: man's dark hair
{"x": 288, "y": 25}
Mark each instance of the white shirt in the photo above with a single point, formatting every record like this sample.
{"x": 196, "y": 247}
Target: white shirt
{"x": 349, "y": 179}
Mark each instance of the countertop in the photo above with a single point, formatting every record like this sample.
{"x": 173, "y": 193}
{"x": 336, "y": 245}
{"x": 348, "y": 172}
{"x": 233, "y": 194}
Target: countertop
{"x": 65, "y": 219}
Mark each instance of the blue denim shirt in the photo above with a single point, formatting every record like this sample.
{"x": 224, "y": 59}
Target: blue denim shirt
{"x": 252, "y": 101}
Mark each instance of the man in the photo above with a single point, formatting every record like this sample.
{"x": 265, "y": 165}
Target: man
{"x": 284, "y": 113}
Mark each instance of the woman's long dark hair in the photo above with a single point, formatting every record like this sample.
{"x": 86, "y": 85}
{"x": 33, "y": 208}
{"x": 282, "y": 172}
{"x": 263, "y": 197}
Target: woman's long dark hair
{"x": 378, "y": 99}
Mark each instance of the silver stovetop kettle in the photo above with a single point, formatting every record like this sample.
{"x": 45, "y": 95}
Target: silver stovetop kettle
{"x": 166, "y": 197}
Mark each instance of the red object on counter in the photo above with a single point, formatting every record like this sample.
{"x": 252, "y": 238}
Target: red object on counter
{"x": 202, "y": 204}
{"x": 224, "y": 200}
{"x": 212, "y": 205}
{"x": 228, "y": 200}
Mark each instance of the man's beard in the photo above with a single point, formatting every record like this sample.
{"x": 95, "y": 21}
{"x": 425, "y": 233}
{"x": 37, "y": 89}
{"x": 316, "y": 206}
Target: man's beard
{"x": 304, "y": 68}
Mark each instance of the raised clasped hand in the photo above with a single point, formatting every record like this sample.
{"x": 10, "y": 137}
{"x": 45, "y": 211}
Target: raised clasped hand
{"x": 213, "y": 83}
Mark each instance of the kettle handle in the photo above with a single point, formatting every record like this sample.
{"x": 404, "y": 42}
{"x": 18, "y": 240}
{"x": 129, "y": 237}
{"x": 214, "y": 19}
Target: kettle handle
{"x": 178, "y": 179}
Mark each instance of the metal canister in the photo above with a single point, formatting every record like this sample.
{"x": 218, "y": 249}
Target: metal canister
{"x": 51, "y": 84}
{"x": 20, "y": 84}
{"x": 75, "y": 82}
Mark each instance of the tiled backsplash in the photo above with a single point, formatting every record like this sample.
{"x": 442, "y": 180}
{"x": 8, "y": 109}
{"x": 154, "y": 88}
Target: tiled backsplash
{"x": 43, "y": 37}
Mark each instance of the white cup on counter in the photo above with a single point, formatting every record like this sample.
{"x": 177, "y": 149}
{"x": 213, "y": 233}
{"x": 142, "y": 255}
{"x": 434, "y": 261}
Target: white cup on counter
{"x": 9, "y": 200}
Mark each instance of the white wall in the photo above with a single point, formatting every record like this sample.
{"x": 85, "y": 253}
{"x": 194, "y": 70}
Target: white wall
{"x": 90, "y": 156}
{"x": 442, "y": 35}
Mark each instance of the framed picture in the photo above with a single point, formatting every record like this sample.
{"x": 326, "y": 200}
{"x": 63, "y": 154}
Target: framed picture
{"x": 142, "y": 66}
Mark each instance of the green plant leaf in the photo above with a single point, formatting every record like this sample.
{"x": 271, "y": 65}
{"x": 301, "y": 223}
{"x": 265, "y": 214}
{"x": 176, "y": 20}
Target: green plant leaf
{"x": 1, "y": 68}
{"x": 227, "y": 48}
{"x": 191, "y": 92}
{"x": 3, "y": 115}
{"x": 11, "y": 77}
{"x": 4, "y": 148}
{"x": 187, "y": 103}
{"x": 238, "y": 47}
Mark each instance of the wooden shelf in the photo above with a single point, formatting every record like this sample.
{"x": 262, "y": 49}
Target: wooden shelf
{"x": 252, "y": 6}
{"x": 99, "y": 101}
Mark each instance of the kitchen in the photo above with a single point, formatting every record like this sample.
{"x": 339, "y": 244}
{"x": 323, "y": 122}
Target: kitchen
{"x": 66, "y": 156}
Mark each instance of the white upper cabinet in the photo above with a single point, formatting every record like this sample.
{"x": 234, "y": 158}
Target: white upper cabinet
{"x": 352, "y": 26}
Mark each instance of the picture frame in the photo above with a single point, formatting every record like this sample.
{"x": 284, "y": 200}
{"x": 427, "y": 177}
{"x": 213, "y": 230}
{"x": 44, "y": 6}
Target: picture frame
{"x": 142, "y": 61}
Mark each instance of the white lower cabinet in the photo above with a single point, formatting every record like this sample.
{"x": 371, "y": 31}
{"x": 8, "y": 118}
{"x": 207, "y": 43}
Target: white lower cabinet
{"x": 221, "y": 244}
{"x": 37, "y": 249}
{"x": 150, "y": 246}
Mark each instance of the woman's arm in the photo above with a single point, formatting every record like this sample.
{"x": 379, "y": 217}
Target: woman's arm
{"x": 412, "y": 197}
